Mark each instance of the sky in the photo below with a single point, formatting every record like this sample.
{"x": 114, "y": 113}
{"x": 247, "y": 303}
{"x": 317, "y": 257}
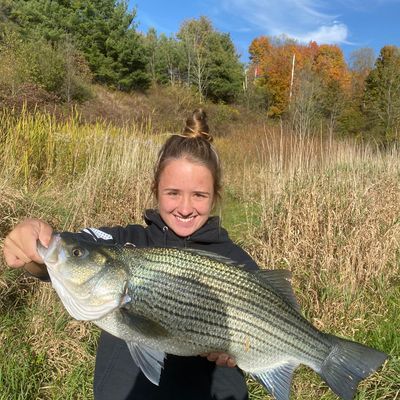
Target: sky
{"x": 351, "y": 24}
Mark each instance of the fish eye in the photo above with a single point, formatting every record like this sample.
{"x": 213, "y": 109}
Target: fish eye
{"x": 77, "y": 252}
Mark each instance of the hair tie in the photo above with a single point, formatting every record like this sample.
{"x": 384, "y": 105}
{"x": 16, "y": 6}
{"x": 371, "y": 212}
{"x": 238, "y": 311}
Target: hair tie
{"x": 195, "y": 134}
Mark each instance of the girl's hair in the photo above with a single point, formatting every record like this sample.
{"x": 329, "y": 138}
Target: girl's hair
{"x": 194, "y": 144}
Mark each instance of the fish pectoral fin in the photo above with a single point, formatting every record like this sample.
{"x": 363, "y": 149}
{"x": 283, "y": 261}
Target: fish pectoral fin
{"x": 277, "y": 380}
{"x": 149, "y": 361}
{"x": 279, "y": 280}
{"x": 143, "y": 325}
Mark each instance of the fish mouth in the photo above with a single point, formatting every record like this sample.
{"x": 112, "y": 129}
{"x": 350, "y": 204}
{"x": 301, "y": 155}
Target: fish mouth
{"x": 50, "y": 254}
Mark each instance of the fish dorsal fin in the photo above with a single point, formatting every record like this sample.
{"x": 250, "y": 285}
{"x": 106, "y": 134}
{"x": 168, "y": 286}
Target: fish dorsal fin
{"x": 213, "y": 256}
{"x": 279, "y": 280}
{"x": 277, "y": 380}
{"x": 150, "y": 361}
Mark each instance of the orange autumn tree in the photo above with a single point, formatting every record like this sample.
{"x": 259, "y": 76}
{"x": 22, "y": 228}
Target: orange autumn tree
{"x": 330, "y": 65}
{"x": 272, "y": 62}
{"x": 331, "y": 68}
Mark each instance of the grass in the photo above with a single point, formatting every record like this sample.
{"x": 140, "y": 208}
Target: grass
{"x": 325, "y": 209}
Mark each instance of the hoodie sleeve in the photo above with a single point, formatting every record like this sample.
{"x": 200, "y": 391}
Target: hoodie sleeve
{"x": 134, "y": 234}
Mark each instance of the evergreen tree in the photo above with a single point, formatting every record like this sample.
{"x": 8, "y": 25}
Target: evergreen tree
{"x": 226, "y": 72}
{"x": 382, "y": 95}
{"x": 102, "y": 29}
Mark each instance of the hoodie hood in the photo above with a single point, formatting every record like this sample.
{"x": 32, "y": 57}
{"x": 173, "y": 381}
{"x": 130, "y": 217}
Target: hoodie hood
{"x": 210, "y": 232}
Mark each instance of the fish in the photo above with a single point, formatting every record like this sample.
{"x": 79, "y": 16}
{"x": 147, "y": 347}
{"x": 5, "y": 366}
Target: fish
{"x": 188, "y": 302}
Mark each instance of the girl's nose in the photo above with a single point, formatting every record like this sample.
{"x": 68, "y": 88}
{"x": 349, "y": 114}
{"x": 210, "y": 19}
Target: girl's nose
{"x": 185, "y": 207}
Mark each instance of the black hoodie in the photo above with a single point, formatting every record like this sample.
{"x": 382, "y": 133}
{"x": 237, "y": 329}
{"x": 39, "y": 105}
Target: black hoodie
{"x": 210, "y": 237}
{"x": 183, "y": 378}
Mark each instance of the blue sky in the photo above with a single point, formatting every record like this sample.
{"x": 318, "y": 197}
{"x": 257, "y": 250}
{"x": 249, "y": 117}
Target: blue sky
{"x": 351, "y": 24}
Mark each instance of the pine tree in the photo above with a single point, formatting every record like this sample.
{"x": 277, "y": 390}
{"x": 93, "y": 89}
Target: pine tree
{"x": 103, "y": 30}
{"x": 382, "y": 95}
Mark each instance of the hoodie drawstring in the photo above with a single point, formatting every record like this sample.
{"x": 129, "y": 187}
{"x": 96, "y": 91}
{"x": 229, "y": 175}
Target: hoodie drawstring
{"x": 185, "y": 241}
{"x": 165, "y": 230}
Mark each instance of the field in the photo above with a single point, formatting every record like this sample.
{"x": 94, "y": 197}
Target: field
{"x": 327, "y": 210}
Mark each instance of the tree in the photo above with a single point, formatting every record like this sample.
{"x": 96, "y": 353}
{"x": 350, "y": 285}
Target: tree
{"x": 225, "y": 70}
{"x": 361, "y": 64}
{"x": 362, "y": 60}
{"x": 58, "y": 69}
{"x": 152, "y": 51}
{"x": 76, "y": 73}
{"x": 382, "y": 94}
{"x": 170, "y": 61}
{"x": 211, "y": 62}
{"x": 306, "y": 105}
{"x": 103, "y": 30}
{"x": 330, "y": 66}
{"x": 272, "y": 61}
{"x": 276, "y": 61}
{"x": 352, "y": 118}
{"x": 5, "y": 10}
{"x": 195, "y": 36}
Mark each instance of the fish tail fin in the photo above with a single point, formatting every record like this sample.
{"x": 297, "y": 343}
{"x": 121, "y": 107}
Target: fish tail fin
{"x": 347, "y": 364}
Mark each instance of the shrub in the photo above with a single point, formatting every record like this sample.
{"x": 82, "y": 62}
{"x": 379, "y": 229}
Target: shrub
{"x": 58, "y": 70}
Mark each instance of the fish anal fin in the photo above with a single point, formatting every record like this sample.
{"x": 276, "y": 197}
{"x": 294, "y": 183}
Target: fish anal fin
{"x": 279, "y": 280}
{"x": 151, "y": 362}
{"x": 277, "y": 380}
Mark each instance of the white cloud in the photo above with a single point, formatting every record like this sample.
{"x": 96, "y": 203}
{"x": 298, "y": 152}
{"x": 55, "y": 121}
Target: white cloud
{"x": 303, "y": 20}
{"x": 336, "y": 33}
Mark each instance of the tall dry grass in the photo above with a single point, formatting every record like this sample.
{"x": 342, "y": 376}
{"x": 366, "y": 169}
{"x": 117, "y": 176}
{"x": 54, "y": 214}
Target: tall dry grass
{"x": 95, "y": 172}
{"x": 327, "y": 210}
{"x": 330, "y": 205}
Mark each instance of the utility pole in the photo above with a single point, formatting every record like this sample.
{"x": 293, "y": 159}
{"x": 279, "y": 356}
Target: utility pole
{"x": 291, "y": 80}
{"x": 245, "y": 81}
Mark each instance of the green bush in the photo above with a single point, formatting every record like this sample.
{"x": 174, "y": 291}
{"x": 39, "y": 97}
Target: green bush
{"x": 60, "y": 70}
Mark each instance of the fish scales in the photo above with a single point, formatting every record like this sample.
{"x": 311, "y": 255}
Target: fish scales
{"x": 181, "y": 273}
{"x": 165, "y": 300}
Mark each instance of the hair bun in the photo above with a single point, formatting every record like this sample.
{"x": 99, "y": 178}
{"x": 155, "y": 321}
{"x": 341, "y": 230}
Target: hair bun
{"x": 197, "y": 127}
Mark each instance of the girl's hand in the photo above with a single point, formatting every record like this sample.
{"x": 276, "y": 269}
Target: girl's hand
{"x": 221, "y": 359}
{"x": 20, "y": 245}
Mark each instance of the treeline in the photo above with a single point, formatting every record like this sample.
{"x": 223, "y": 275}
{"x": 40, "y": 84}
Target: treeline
{"x": 307, "y": 84}
{"x": 59, "y": 47}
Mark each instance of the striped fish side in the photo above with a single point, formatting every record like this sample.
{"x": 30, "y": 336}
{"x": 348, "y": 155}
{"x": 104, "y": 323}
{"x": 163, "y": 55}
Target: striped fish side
{"x": 207, "y": 301}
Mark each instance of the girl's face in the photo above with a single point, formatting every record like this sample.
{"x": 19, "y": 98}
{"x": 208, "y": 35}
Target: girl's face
{"x": 185, "y": 196}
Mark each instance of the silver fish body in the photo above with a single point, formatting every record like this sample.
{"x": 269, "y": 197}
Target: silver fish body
{"x": 183, "y": 302}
